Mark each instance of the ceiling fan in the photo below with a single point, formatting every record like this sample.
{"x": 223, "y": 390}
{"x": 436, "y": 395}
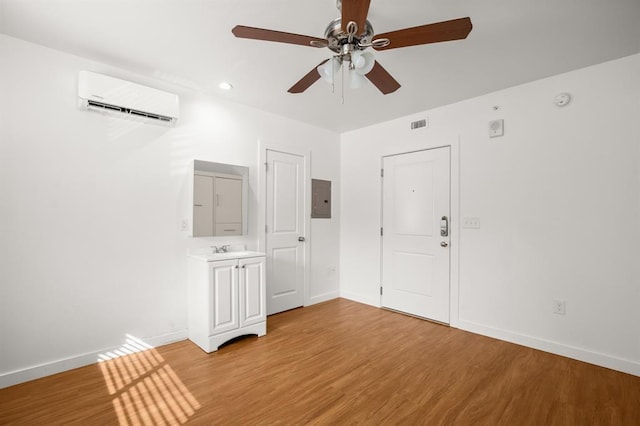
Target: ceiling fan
{"x": 348, "y": 37}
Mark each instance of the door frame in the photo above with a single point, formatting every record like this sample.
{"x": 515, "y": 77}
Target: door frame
{"x": 453, "y": 142}
{"x": 285, "y": 148}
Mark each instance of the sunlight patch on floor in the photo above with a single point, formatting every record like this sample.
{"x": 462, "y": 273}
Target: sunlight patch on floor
{"x": 145, "y": 388}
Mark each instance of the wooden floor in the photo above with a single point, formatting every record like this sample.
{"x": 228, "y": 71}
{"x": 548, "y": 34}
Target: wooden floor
{"x": 339, "y": 362}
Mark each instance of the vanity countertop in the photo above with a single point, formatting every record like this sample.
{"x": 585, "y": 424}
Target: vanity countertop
{"x": 213, "y": 257}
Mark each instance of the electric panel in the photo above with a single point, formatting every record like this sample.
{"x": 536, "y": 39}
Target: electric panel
{"x": 320, "y": 199}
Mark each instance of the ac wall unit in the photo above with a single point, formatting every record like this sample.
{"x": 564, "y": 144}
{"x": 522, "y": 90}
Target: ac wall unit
{"x": 117, "y": 97}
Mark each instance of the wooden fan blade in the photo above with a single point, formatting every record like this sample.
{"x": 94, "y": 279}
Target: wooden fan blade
{"x": 305, "y": 82}
{"x": 356, "y": 11}
{"x": 382, "y": 79}
{"x": 455, "y": 29}
{"x": 277, "y": 36}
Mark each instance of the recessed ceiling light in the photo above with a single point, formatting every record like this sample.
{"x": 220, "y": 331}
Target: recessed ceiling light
{"x": 225, "y": 86}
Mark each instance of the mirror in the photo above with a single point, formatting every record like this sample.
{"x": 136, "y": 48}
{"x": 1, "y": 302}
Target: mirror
{"x": 220, "y": 199}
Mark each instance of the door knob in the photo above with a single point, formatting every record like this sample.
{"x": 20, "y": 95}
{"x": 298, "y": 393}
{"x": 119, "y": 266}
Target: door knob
{"x": 444, "y": 244}
{"x": 300, "y": 238}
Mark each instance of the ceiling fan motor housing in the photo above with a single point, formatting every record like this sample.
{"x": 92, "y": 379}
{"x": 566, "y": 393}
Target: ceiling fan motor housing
{"x": 336, "y": 38}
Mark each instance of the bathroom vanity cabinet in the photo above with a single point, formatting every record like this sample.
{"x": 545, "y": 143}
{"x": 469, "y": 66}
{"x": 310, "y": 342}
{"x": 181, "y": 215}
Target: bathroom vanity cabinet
{"x": 227, "y": 298}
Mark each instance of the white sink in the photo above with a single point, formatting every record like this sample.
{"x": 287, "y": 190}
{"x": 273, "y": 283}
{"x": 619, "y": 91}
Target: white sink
{"x": 212, "y": 257}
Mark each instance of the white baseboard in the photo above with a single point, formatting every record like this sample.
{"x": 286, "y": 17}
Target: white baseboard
{"x": 356, "y": 297}
{"x": 596, "y": 358}
{"x": 322, "y": 298}
{"x": 38, "y": 371}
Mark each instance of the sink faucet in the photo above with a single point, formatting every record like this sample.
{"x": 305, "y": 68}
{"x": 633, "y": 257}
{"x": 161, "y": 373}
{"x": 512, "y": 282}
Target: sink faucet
{"x": 222, "y": 249}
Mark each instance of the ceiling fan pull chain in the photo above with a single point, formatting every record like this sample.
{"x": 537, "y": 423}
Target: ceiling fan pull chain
{"x": 342, "y": 88}
{"x": 333, "y": 76}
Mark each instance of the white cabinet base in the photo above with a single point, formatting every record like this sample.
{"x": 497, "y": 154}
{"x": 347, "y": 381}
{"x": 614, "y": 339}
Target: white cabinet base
{"x": 212, "y": 343}
{"x": 227, "y": 298}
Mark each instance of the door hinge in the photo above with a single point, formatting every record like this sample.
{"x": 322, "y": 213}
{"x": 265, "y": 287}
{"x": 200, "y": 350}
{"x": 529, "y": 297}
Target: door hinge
{"x": 265, "y": 229}
{"x": 380, "y": 290}
{"x": 266, "y": 167}
{"x": 381, "y": 172}
{"x": 381, "y": 232}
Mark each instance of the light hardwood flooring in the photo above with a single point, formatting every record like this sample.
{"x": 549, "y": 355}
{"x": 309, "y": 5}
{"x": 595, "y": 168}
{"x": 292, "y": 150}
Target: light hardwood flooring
{"x": 338, "y": 362}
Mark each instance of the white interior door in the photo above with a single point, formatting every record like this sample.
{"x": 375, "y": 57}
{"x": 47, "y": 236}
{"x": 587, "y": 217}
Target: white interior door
{"x": 415, "y": 254}
{"x": 285, "y": 245}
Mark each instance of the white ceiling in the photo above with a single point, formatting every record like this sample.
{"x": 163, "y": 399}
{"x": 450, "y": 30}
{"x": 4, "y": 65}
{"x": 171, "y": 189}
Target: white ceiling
{"x": 189, "y": 42}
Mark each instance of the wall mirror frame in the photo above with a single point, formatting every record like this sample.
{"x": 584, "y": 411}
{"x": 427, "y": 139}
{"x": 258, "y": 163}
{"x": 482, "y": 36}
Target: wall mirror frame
{"x": 220, "y": 199}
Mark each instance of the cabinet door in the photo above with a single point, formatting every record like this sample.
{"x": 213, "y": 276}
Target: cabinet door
{"x": 223, "y": 296}
{"x": 253, "y": 295}
{"x": 202, "y": 206}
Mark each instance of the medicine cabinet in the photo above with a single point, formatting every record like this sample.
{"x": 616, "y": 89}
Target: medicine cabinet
{"x": 220, "y": 198}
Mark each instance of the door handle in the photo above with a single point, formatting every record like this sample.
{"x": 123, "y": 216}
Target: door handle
{"x": 444, "y": 244}
{"x": 301, "y": 239}
{"x": 444, "y": 227}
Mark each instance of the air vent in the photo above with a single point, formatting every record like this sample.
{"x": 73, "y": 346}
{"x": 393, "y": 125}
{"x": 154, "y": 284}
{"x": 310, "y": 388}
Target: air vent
{"x": 418, "y": 124}
{"x": 106, "y": 107}
{"x": 100, "y": 105}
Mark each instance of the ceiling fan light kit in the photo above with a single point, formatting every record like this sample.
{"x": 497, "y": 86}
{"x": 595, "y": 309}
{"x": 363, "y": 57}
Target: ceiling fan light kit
{"x": 328, "y": 70}
{"x": 349, "y": 35}
{"x": 362, "y": 62}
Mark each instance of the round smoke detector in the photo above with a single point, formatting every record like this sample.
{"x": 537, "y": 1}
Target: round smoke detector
{"x": 563, "y": 99}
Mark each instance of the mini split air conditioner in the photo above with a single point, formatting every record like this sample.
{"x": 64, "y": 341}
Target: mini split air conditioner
{"x": 97, "y": 92}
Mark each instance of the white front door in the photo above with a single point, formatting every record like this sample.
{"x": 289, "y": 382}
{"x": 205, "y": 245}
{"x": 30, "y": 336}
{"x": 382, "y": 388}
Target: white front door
{"x": 285, "y": 245}
{"x": 415, "y": 253}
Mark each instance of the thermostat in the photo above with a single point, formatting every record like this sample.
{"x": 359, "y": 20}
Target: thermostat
{"x": 496, "y": 128}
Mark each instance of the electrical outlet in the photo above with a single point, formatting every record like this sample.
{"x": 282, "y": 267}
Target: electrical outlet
{"x": 184, "y": 225}
{"x": 559, "y": 307}
{"x": 471, "y": 222}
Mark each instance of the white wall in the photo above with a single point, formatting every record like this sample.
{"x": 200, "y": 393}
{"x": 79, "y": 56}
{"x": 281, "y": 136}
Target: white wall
{"x": 90, "y": 210}
{"x": 558, "y": 199}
